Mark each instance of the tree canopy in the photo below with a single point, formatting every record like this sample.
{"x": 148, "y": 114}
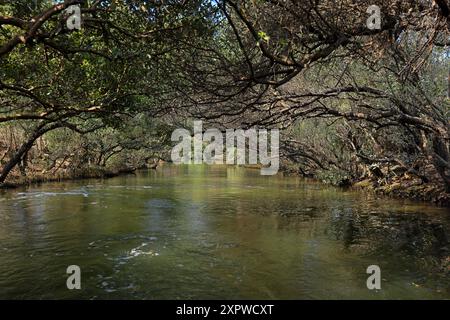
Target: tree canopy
{"x": 349, "y": 98}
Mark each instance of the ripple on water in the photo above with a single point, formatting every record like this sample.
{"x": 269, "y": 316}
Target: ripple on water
{"x": 140, "y": 250}
{"x": 105, "y": 243}
{"x": 110, "y": 244}
{"x": 130, "y": 187}
{"x": 30, "y": 195}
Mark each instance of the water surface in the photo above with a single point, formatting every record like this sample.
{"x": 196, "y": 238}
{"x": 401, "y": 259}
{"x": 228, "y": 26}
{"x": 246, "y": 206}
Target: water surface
{"x": 199, "y": 232}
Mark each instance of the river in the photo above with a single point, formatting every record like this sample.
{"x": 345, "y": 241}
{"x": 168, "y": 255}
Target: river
{"x": 217, "y": 232}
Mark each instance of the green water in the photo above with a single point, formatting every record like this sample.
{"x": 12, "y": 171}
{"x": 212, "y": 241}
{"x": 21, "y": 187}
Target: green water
{"x": 198, "y": 232}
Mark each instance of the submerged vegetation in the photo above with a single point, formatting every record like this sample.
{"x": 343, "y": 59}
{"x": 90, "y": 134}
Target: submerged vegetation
{"x": 355, "y": 105}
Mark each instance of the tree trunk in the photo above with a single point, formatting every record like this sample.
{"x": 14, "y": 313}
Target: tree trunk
{"x": 441, "y": 161}
{"x": 18, "y": 156}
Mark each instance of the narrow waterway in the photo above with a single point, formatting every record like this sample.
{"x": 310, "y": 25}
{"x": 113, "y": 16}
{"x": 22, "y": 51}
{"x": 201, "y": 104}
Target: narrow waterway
{"x": 199, "y": 232}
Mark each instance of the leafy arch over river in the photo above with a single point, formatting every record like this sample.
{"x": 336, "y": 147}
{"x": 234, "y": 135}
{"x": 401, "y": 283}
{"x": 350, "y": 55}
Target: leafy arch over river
{"x": 356, "y": 105}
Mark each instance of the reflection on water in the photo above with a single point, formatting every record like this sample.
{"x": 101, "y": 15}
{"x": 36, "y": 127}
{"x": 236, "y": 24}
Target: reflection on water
{"x": 218, "y": 232}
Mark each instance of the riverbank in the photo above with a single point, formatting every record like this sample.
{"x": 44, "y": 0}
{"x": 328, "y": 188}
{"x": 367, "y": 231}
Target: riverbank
{"x": 16, "y": 181}
{"x": 399, "y": 186}
{"x": 403, "y": 188}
